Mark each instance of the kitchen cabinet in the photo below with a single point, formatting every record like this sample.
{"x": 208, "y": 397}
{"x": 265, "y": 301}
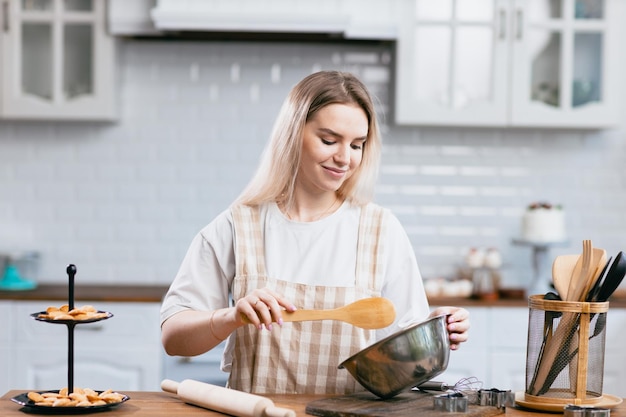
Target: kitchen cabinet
{"x": 539, "y": 63}
{"x": 204, "y": 368}
{"x": 496, "y": 350}
{"x": 472, "y": 359}
{"x": 122, "y": 353}
{"x": 58, "y": 60}
{"x": 508, "y": 340}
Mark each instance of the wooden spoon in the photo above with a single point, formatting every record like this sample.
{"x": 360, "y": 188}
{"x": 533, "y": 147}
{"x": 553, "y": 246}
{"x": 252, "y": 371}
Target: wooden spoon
{"x": 562, "y": 269}
{"x": 598, "y": 263}
{"x": 580, "y": 273}
{"x": 368, "y": 313}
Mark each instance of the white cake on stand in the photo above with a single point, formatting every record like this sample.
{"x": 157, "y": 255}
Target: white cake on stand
{"x": 542, "y": 227}
{"x": 543, "y": 223}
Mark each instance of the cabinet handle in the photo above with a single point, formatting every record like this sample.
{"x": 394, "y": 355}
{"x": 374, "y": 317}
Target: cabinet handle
{"x": 519, "y": 24}
{"x": 5, "y": 16}
{"x": 502, "y": 24}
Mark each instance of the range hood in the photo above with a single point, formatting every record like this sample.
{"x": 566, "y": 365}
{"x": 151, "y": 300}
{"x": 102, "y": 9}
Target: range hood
{"x": 350, "y": 19}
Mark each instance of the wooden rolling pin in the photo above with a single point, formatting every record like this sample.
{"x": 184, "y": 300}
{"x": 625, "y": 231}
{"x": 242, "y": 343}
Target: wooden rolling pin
{"x": 225, "y": 400}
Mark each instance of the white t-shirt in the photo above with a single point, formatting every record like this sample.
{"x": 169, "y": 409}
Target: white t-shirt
{"x": 322, "y": 252}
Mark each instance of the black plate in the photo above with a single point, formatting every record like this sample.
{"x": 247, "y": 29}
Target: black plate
{"x": 36, "y": 317}
{"x": 31, "y": 407}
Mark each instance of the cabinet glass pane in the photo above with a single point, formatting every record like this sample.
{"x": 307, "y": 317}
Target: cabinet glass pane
{"x": 587, "y": 82}
{"x": 433, "y": 9}
{"x": 589, "y": 9}
{"x": 78, "y": 5}
{"x": 77, "y": 60}
{"x": 37, "y": 59}
{"x": 544, "y": 53}
{"x": 473, "y": 65}
{"x": 541, "y": 10}
{"x": 432, "y": 64}
{"x": 475, "y": 10}
{"x": 37, "y": 4}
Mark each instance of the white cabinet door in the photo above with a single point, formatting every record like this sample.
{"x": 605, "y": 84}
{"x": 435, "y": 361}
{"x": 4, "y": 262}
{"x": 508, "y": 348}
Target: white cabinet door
{"x": 495, "y": 353}
{"x": 509, "y": 340}
{"x": 472, "y": 359}
{"x": 120, "y": 369}
{"x": 58, "y": 61}
{"x": 205, "y": 367}
{"x": 506, "y": 373}
{"x": 509, "y": 63}
{"x": 565, "y": 63}
{"x": 452, "y": 63}
{"x": 121, "y": 353}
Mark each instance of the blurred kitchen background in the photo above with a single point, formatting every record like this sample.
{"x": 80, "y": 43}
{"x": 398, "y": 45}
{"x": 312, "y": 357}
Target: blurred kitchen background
{"x": 126, "y": 126}
{"x": 122, "y": 199}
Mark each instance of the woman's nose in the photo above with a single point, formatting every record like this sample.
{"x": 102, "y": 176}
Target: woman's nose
{"x": 342, "y": 155}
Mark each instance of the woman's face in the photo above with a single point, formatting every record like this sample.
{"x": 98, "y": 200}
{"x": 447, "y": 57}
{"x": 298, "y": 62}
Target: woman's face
{"x": 332, "y": 147}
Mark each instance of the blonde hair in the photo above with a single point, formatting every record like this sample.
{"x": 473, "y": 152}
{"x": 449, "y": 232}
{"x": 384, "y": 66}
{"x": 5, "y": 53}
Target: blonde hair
{"x": 275, "y": 177}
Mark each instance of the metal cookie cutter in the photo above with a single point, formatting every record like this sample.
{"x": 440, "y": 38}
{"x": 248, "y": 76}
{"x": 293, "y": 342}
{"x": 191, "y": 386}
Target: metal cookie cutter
{"x": 453, "y": 402}
{"x": 497, "y": 398}
{"x": 581, "y": 411}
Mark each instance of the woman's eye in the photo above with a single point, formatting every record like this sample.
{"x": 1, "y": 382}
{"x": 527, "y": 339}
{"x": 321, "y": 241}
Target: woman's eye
{"x": 327, "y": 142}
{"x": 356, "y": 146}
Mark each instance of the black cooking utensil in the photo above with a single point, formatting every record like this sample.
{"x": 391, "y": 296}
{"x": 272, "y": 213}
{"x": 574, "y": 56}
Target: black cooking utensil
{"x": 548, "y": 323}
{"x": 611, "y": 281}
{"x": 593, "y": 292}
{"x": 613, "y": 278}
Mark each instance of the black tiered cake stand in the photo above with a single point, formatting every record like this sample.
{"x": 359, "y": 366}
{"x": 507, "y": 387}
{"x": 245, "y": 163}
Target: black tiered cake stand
{"x": 23, "y": 399}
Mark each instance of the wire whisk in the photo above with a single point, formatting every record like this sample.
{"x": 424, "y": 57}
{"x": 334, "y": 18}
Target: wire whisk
{"x": 469, "y": 386}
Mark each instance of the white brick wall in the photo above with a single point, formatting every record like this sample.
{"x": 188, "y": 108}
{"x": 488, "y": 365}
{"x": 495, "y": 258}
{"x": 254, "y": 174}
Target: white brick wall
{"x": 123, "y": 200}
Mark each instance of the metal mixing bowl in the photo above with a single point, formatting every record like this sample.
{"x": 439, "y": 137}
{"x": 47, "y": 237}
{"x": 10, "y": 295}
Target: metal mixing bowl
{"x": 402, "y": 360}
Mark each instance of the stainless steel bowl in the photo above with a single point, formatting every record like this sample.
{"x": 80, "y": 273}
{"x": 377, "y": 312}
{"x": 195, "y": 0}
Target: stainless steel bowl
{"x": 402, "y": 360}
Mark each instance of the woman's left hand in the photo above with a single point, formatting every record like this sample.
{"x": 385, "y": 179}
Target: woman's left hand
{"x": 458, "y": 324}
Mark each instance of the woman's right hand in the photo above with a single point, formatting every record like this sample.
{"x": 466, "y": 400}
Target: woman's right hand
{"x": 261, "y": 307}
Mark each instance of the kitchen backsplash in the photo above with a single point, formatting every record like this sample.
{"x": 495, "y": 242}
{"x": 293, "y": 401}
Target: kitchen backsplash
{"x": 123, "y": 200}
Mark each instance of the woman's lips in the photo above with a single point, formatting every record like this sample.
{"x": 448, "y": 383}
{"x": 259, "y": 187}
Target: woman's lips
{"x": 335, "y": 172}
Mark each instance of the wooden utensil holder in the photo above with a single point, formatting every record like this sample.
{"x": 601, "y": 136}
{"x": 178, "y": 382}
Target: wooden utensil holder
{"x": 565, "y": 351}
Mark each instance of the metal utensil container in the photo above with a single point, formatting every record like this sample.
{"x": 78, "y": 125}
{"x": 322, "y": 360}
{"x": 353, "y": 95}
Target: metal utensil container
{"x": 565, "y": 351}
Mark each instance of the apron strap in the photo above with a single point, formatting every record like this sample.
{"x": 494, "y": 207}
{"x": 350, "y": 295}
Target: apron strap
{"x": 249, "y": 255}
{"x": 369, "y": 247}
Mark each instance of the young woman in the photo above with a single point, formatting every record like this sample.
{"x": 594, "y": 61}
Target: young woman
{"x": 303, "y": 234}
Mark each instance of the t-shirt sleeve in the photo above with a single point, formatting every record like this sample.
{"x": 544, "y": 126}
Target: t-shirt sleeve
{"x": 206, "y": 272}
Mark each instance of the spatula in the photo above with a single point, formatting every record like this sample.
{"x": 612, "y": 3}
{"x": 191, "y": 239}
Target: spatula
{"x": 562, "y": 269}
{"x": 367, "y": 313}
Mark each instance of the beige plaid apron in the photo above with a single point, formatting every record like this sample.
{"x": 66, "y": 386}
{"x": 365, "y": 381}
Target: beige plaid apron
{"x": 301, "y": 357}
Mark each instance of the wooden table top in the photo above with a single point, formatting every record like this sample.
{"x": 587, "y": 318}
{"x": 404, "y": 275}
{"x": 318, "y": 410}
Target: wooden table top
{"x": 157, "y": 404}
